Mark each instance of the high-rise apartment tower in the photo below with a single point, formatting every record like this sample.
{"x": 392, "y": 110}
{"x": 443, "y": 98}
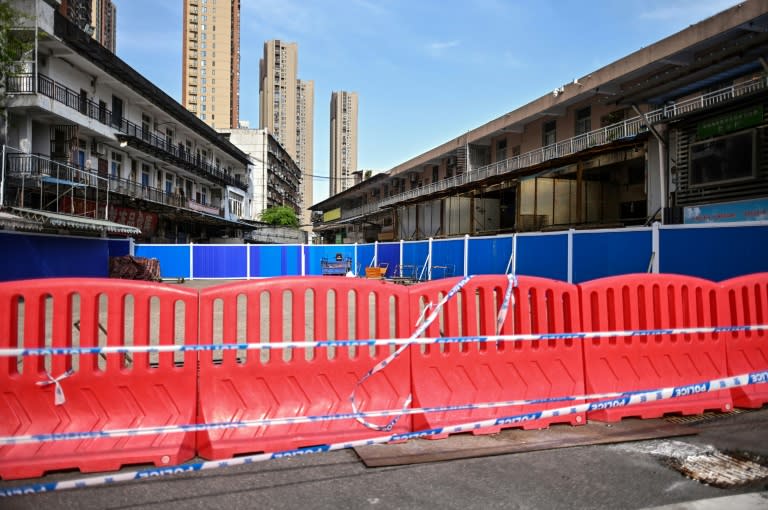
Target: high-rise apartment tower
{"x": 98, "y": 18}
{"x": 104, "y": 22}
{"x": 343, "y": 164}
{"x": 210, "y": 82}
{"x": 286, "y": 110}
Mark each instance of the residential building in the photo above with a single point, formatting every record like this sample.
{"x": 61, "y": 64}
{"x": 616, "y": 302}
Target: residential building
{"x": 343, "y": 154}
{"x": 104, "y": 22}
{"x": 93, "y": 146}
{"x": 97, "y": 18}
{"x": 210, "y": 81}
{"x": 274, "y": 179}
{"x": 673, "y": 132}
{"x": 305, "y": 121}
{"x": 286, "y": 109}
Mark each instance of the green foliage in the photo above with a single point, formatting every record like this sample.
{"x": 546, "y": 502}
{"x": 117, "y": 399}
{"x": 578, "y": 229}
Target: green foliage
{"x": 280, "y": 215}
{"x": 13, "y": 43}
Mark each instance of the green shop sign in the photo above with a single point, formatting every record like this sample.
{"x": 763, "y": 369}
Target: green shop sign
{"x": 731, "y": 122}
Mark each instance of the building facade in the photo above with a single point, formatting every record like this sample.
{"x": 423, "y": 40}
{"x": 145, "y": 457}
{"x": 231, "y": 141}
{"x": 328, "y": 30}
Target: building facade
{"x": 674, "y": 132}
{"x": 104, "y": 22}
{"x": 274, "y": 179}
{"x": 343, "y": 153}
{"x": 97, "y": 18}
{"x": 286, "y": 109}
{"x": 305, "y": 121}
{"x": 90, "y": 140}
{"x": 210, "y": 83}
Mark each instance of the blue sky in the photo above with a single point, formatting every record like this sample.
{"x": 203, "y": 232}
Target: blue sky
{"x": 426, "y": 71}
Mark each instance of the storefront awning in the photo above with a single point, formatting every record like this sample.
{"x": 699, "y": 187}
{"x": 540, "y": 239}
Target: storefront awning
{"x": 13, "y": 222}
{"x": 47, "y": 219}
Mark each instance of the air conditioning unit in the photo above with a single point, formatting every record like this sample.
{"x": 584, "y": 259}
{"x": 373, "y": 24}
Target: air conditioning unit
{"x": 98, "y": 149}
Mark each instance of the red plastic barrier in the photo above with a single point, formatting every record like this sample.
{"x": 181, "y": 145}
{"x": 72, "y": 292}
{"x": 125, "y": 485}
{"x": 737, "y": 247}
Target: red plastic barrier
{"x": 455, "y": 374}
{"x": 253, "y": 387}
{"x": 644, "y": 302}
{"x": 121, "y": 391}
{"x": 744, "y": 301}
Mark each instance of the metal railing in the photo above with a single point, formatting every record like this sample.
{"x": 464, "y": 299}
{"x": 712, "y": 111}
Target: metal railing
{"x": 621, "y": 130}
{"x": 24, "y": 84}
{"x": 36, "y": 166}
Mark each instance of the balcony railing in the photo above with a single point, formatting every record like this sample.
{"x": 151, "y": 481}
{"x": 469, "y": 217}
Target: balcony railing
{"x": 99, "y": 112}
{"x": 621, "y": 130}
{"x": 35, "y": 166}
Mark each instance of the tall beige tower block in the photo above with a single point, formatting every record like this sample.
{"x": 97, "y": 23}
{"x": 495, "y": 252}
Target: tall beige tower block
{"x": 343, "y": 153}
{"x": 210, "y": 82}
{"x": 286, "y": 110}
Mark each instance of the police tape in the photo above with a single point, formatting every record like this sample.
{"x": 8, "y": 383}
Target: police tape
{"x": 584, "y": 335}
{"x": 634, "y": 398}
{"x": 381, "y": 365}
{"x": 292, "y": 420}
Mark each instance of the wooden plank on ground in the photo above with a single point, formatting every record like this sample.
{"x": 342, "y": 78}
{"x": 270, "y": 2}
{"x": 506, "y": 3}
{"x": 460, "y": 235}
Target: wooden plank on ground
{"x": 464, "y": 446}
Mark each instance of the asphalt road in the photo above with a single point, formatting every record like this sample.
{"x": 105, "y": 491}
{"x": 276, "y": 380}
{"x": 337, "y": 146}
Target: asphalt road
{"x": 627, "y": 476}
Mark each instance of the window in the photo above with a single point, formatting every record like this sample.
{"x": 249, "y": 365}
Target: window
{"x": 549, "y": 133}
{"x": 583, "y": 121}
{"x": 725, "y": 159}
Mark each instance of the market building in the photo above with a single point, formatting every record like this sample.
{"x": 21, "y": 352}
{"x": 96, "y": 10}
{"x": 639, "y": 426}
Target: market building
{"x": 674, "y": 132}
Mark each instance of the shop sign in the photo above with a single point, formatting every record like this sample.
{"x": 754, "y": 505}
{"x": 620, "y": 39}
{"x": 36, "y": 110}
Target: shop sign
{"x": 727, "y": 212}
{"x": 730, "y": 122}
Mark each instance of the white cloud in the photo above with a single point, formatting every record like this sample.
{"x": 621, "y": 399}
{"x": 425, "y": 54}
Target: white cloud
{"x": 439, "y": 48}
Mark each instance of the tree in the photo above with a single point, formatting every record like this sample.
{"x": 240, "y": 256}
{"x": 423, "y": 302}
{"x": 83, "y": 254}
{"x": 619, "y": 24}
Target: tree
{"x": 14, "y": 44}
{"x": 281, "y": 215}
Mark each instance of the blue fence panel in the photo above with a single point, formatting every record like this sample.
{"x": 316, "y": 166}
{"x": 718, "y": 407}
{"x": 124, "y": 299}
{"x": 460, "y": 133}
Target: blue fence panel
{"x": 364, "y": 257}
{"x": 271, "y": 260}
{"x": 414, "y": 258}
{"x": 543, "y": 255}
{"x": 316, "y": 253}
{"x": 447, "y": 258}
{"x": 599, "y": 254}
{"x": 715, "y": 253}
{"x": 389, "y": 253}
{"x": 42, "y": 256}
{"x": 489, "y": 256}
{"x": 119, "y": 247}
{"x": 220, "y": 261}
{"x": 174, "y": 258}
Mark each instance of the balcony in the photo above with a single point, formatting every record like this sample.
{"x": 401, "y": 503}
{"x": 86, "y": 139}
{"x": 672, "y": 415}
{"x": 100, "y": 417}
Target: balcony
{"x": 144, "y": 140}
{"x": 44, "y": 171}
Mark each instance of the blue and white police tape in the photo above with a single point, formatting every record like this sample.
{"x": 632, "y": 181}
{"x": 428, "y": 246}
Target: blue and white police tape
{"x": 386, "y": 361}
{"x": 508, "y": 297}
{"x": 584, "y": 335}
{"x": 294, "y": 420}
{"x": 628, "y": 400}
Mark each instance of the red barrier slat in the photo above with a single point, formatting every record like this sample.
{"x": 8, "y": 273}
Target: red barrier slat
{"x": 96, "y": 398}
{"x": 469, "y": 373}
{"x": 743, "y": 301}
{"x": 318, "y": 386}
{"x": 652, "y": 301}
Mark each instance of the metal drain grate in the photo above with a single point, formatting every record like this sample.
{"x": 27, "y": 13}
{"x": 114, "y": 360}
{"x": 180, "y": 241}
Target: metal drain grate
{"x": 719, "y": 470}
{"x": 701, "y": 418}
